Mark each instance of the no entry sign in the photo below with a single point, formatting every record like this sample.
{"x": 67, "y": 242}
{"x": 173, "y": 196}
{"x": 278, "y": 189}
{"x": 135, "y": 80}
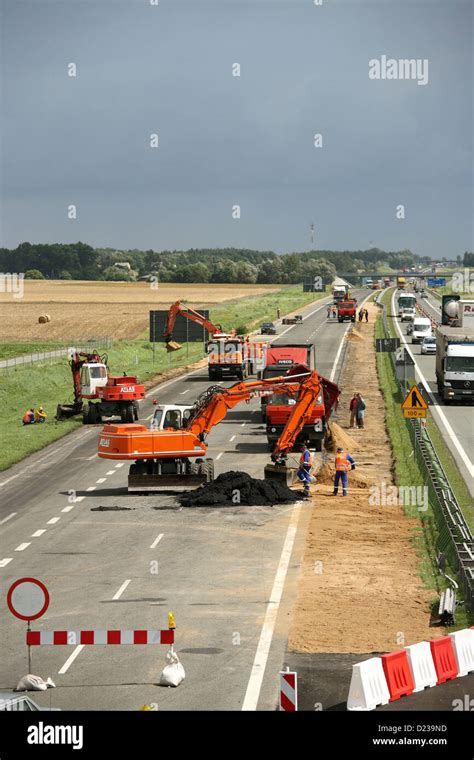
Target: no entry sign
{"x": 28, "y": 599}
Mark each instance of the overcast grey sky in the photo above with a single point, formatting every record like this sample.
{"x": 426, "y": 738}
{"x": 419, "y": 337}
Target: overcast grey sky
{"x": 226, "y": 140}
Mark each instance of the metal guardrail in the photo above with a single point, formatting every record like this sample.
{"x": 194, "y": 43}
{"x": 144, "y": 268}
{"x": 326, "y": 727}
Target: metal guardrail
{"x": 455, "y": 539}
{"x": 58, "y": 353}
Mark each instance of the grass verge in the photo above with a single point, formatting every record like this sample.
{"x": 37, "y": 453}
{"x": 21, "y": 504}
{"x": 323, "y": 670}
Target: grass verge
{"x": 49, "y": 383}
{"x": 407, "y": 472}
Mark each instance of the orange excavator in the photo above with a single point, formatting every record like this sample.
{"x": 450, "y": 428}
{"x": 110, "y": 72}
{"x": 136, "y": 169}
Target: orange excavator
{"x": 215, "y": 331}
{"x": 175, "y": 457}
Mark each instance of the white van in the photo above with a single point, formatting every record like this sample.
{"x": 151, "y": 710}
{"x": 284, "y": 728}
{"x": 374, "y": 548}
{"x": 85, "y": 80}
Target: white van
{"x": 421, "y": 329}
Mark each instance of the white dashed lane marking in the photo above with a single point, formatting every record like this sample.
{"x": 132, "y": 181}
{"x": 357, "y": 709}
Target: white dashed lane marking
{"x": 68, "y": 509}
{"x": 122, "y": 588}
{"x": 4, "y": 562}
{"x": 53, "y": 521}
{"x": 5, "y": 519}
{"x": 156, "y": 541}
{"x": 38, "y": 533}
{"x": 22, "y": 547}
{"x": 219, "y": 456}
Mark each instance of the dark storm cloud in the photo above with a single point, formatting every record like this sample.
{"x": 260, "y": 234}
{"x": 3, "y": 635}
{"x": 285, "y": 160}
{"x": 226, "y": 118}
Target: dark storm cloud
{"x": 244, "y": 140}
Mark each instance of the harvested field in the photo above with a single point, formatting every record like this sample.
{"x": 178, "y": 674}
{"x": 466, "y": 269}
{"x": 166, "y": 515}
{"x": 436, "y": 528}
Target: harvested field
{"x": 89, "y": 309}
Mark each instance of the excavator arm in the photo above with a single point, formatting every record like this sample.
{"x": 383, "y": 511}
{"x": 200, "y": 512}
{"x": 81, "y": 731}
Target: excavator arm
{"x": 212, "y": 406}
{"x": 186, "y": 311}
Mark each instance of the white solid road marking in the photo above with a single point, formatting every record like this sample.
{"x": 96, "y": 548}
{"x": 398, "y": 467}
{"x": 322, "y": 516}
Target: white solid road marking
{"x": 110, "y": 472}
{"x": 53, "y": 521}
{"x": 183, "y": 392}
{"x": 91, "y": 488}
{"x": 8, "y": 479}
{"x": 122, "y": 588}
{"x": 261, "y": 656}
{"x": 71, "y": 659}
{"x": 22, "y": 547}
{"x": 68, "y": 509}
{"x": 219, "y": 456}
{"x": 156, "y": 541}
{"x": 38, "y": 533}
{"x": 231, "y": 438}
{"x": 334, "y": 366}
{"x": 88, "y": 459}
{"x": 4, "y": 562}
{"x": 149, "y": 416}
{"x": 101, "y": 480}
{"x": 435, "y": 407}
{"x": 5, "y": 519}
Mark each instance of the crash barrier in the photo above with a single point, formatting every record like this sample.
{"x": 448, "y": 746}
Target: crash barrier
{"x": 56, "y": 354}
{"x": 72, "y": 638}
{"x": 288, "y": 691}
{"x": 380, "y": 680}
{"x": 455, "y": 539}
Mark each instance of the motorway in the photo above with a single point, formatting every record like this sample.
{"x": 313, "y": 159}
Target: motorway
{"x": 117, "y": 561}
{"x": 455, "y": 421}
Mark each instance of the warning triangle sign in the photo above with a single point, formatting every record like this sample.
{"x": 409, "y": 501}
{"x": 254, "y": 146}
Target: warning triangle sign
{"x": 414, "y": 399}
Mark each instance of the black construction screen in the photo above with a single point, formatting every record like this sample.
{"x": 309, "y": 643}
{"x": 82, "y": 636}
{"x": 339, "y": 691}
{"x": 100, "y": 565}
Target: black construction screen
{"x": 184, "y": 329}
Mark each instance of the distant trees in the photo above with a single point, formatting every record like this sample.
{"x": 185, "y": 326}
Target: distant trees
{"x": 79, "y": 261}
{"x": 468, "y": 259}
{"x": 34, "y": 274}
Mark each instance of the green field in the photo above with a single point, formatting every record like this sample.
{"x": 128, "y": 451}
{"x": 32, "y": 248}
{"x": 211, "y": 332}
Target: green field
{"x": 20, "y": 348}
{"x": 49, "y": 383}
{"x": 407, "y": 472}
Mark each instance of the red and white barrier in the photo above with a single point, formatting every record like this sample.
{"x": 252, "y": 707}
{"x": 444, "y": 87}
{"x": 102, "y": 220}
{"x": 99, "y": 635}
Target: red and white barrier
{"x": 378, "y": 680}
{"x": 288, "y": 691}
{"x": 72, "y": 638}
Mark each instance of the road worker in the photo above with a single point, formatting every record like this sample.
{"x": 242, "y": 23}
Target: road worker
{"x": 305, "y": 467}
{"x": 29, "y": 417}
{"x": 40, "y": 415}
{"x": 344, "y": 462}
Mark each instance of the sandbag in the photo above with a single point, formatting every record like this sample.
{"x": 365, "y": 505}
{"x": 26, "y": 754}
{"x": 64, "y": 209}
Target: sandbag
{"x": 34, "y": 683}
{"x": 173, "y": 672}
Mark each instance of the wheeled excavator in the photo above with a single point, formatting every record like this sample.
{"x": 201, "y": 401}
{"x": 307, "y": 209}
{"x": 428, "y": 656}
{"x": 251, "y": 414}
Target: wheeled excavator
{"x": 175, "y": 456}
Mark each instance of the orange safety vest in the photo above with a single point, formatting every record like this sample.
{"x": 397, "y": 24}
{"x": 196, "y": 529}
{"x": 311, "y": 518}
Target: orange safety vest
{"x": 309, "y": 462}
{"x": 342, "y": 465}
{"x": 27, "y": 417}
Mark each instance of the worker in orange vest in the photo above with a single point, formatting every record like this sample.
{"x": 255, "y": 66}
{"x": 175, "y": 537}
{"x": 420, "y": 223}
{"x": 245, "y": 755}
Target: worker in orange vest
{"x": 304, "y": 470}
{"x": 29, "y": 417}
{"x": 344, "y": 463}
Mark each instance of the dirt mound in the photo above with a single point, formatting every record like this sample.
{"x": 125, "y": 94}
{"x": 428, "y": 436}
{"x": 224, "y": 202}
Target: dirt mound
{"x": 235, "y": 488}
{"x": 325, "y": 476}
{"x": 353, "y": 335}
{"x": 338, "y": 437}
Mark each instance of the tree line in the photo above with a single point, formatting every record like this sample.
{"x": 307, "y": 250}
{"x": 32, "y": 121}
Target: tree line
{"x": 79, "y": 261}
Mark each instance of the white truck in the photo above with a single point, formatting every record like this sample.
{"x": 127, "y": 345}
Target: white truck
{"x": 421, "y": 329}
{"x": 455, "y": 363}
{"x": 405, "y": 302}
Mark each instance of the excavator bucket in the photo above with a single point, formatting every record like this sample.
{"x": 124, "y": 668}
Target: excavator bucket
{"x": 280, "y": 472}
{"x": 173, "y": 346}
{"x": 64, "y": 411}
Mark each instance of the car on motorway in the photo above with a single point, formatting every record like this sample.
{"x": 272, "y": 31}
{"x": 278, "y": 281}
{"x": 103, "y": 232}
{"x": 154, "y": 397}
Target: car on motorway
{"x": 11, "y": 701}
{"x": 428, "y": 345}
{"x": 268, "y": 328}
{"x": 408, "y": 314}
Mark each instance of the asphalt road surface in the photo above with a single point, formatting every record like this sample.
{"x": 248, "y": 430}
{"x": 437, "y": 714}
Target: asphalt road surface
{"x": 229, "y": 574}
{"x": 455, "y": 421}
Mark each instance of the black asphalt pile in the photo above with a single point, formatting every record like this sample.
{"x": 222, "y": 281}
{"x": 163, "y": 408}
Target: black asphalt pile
{"x": 236, "y": 488}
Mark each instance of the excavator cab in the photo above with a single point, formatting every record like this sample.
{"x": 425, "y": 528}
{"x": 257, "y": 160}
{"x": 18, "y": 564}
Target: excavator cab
{"x": 93, "y": 376}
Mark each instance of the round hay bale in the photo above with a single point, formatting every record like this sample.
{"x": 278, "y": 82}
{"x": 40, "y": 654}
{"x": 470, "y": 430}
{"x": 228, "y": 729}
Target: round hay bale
{"x": 43, "y": 318}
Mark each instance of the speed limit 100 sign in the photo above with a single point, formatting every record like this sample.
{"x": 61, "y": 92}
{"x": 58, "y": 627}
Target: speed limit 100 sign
{"x": 28, "y": 599}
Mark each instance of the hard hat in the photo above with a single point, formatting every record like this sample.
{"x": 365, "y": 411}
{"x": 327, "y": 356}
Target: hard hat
{"x": 339, "y": 448}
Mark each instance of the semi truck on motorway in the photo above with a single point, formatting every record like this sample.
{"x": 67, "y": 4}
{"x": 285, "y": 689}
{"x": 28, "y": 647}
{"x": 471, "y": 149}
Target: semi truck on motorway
{"x": 455, "y": 363}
